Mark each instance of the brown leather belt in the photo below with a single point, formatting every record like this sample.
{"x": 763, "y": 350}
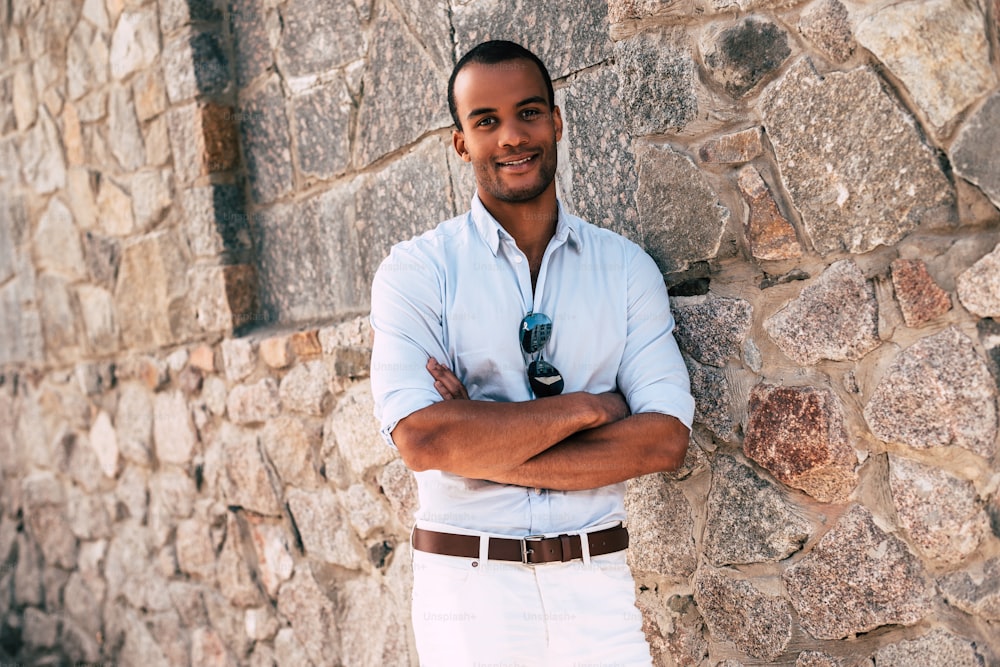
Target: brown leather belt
{"x": 531, "y": 549}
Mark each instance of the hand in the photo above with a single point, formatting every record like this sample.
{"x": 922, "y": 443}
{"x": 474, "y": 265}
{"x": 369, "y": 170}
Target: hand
{"x": 446, "y": 382}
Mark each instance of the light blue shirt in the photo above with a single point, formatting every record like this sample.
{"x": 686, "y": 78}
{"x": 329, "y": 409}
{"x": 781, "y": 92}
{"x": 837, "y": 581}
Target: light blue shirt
{"x": 458, "y": 293}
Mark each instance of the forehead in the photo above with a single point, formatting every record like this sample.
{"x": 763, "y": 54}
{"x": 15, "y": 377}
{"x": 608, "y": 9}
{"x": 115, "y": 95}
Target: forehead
{"x": 497, "y": 85}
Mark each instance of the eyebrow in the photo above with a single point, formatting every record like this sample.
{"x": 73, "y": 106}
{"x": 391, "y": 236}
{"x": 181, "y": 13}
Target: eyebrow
{"x": 535, "y": 99}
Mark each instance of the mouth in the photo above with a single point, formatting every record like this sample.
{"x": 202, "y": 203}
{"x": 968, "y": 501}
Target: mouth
{"x": 518, "y": 162}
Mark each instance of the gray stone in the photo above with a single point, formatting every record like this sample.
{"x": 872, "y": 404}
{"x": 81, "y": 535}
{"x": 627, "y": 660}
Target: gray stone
{"x": 176, "y": 14}
{"x": 656, "y": 75}
{"x": 938, "y": 648}
{"x": 365, "y": 511}
{"x": 351, "y": 428}
{"x": 603, "y": 167}
{"x": 818, "y": 659}
{"x": 315, "y": 627}
{"x": 258, "y": 402}
{"x": 385, "y": 641}
{"x": 43, "y": 162}
{"x": 681, "y": 216}
{"x": 173, "y": 433}
{"x": 217, "y": 225}
{"x": 57, "y": 242}
{"x": 835, "y": 317}
{"x": 661, "y": 522}
{"x": 749, "y": 519}
{"x": 975, "y": 590}
{"x": 937, "y": 48}
{"x": 322, "y": 128}
{"x": 266, "y": 144}
{"x": 87, "y": 516}
{"x": 292, "y": 446}
{"x": 86, "y": 60}
{"x": 152, "y": 195}
{"x": 150, "y": 291}
{"x": 135, "y": 42}
{"x": 238, "y": 358}
{"x": 194, "y": 63}
{"x": 399, "y": 485}
{"x": 798, "y": 435}
{"x": 104, "y": 441}
{"x": 101, "y": 255}
{"x": 318, "y": 37}
{"x": 758, "y": 624}
{"x": 711, "y": 329}
{"x": 713, "y": 401}
{"x": 937, "y": 393}
{"x": 123, "y": 130}
{"x": 306, "y": 387}
{"x": 247, "y": 481}
{"x": 979, "y": 286}
{"x": 939, "y": 511}
{"x": 970, "y": 153}
{"x": 857, "y": 578}
{"x": 171, "y": 497}
{"x": 580, "y": 41}
{"x": 326, "y": 537}
{"x": 59, "y": 322}
{"x": 846, "y": 202}
{"x": 741, "y": 56}
{"x": 827, "y": 25}
{"x": 236, "y": 582}
{"x": 27, "y": 573}
{"x": 397, "y": 203}
{"x": 50, "y": 528}
{"x": 195, "y": 551}
{"x": 404, "y": 91}
{"x": 251, "y": 48}
{"x": 40, "y": 630}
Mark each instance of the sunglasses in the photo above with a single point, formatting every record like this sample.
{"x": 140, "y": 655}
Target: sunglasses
{"x": 545, "y": 379}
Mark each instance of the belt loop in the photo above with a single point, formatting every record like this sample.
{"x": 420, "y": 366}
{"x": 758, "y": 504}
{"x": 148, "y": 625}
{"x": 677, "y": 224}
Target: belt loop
{"x": 484, "y": 549}
{"x": 585, "y": 548}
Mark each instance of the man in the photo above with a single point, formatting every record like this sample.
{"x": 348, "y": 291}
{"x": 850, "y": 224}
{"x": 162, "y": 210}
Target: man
{"x": 524, "y": 367}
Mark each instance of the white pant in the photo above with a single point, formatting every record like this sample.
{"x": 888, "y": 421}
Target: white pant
{"x": 473, "y": 613}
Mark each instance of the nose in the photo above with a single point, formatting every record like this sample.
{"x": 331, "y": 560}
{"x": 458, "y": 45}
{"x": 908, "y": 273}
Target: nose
{"x": 513, "y": 134}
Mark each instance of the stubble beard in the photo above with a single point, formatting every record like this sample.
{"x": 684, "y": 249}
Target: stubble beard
{"x": 491, "y": 181}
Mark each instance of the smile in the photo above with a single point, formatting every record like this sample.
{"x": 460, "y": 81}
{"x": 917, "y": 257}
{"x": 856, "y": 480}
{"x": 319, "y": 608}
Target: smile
{"x": 515, "y": 163}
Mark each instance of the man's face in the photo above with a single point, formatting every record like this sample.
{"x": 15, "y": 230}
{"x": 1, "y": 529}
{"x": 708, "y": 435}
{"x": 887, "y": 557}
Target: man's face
{"x": 508, "y": 133}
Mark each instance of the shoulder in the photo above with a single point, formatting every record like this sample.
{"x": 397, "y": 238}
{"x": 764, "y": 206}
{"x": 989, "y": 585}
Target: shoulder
{"x": 430, "y": 247}
{"x": 605, "y": 240}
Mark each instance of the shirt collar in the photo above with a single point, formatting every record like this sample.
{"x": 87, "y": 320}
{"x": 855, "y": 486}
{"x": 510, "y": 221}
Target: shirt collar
{"x": 491, "y": 231}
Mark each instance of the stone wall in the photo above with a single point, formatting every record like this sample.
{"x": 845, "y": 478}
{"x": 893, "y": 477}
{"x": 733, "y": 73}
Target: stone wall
{"x": 194, "y": 196}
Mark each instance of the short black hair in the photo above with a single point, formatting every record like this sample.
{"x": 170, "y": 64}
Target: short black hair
{"x": 490, "y": 53}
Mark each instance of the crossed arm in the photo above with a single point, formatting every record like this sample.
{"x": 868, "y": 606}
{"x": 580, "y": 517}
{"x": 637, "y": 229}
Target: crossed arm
{"x": 568, "y": 442}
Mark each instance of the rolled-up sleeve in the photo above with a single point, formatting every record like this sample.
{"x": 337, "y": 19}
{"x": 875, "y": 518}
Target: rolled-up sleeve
{"x": 406, "y": 320}
{"x": 652, "y": 375}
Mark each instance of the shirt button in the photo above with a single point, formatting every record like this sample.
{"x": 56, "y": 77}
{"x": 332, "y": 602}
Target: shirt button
{"x": 518, "y": 259}
{"x": 538, "y": 491}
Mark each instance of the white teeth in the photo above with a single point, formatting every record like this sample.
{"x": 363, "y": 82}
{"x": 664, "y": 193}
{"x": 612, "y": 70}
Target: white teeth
{"x": 511, "y": 164}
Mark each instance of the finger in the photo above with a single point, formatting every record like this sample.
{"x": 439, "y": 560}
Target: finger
{"x": 451, "y": 381}
{"x": 443, "y": 390}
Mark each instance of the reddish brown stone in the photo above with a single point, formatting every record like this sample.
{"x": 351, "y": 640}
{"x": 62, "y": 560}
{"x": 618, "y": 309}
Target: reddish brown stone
{"x": 203, "y": 358}
{"x": 306, "y": 343}
{"x": 769, "y": 233}
{"x": 241, "y": 290}
{"x": 798, "y": 435}
{"x": 221, "y": 151}
{"x": 733, "y": 148}
{"x": 919, "y": 297}
{"x": 276, "y": 352}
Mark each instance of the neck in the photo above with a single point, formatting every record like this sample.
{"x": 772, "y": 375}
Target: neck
{"x": 531, "y": 223}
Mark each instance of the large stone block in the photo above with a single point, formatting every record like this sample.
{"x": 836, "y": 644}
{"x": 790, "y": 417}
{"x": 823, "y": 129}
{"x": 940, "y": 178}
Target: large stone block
{"x": 979, "y": 286}
{"x": 711, "y": 329}
{"x": 937, "y": 48}
{"x": 971, "y": 153}
{"x": 43, "y": 162}
{"x": 124, "y": 137}
{"x": 247, "y": 481}
{"x": 371, "y": 605}
{"x": 937, "y": 393}
{"x": 976, "y": 590}
{"x": 135, "y": 42}
{"x": 713, "y": 400}
{"x": 323, "y": 129}
{"x": 251, "y": 47}
{"x": 321, "y": 522}
{"x": 749, "y": 519}
{"x": 216, "y": 222}
{"x": 307, "y": 387}
{"x": 846, "y": 202}
{"x": 175, "y": 14}
{"x": 173, "y": 431}
{"x": 828, "y": 26}
{"x": 292, "y": 446}
{"x": 87, "y": 60}
{"x": 266, "y": 143}
{"x": 404, "y": 91}
{"x": 681, "y": 216}
{"x": 258, "y": 402}
{"x": 204, "y": 140}
{"x": 938, "y": 647}
{"x": 97, "y": 306}
{"x": 314, "y": 620}
{"x": 760, "y": 625}
{"x": 656, "y": 74}
{"x": 741, "y": 56}
{"x": 223, "y": 298}
{"x": 566, "y": 36}
{"x": 857, "y": 578}
{"x": 194, "y": 63}
{"x": 318, "y": 36}
{"x": 835, "y": 317}
{"x": 939, "y": 511}
{"x": 57, "y": 242}
{"x": 150, "y": 293}
{"x": 661, "y": 522}
{"x": 798, "y": 435}
{"x": 60, "y": 323}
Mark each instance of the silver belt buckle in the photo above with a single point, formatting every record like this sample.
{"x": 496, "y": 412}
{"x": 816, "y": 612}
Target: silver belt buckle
{"x": 524, "y": 547}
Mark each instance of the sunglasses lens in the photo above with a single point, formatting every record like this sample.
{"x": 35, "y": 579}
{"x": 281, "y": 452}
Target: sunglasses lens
{"x": 545, "y": 379}
{"x": 535, "y": 331}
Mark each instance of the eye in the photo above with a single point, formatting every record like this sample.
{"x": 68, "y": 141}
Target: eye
{"x": 529, "y": 114}
{"x": 487, "y": 121}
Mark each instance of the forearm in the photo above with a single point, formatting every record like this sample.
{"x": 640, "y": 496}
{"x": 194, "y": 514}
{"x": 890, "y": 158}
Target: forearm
{"x": 634, "y": 446}
{"x": 484, "y": 439}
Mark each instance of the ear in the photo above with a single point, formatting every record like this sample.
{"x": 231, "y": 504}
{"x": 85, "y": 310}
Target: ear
{"x": 557, "y": 122}
{"x": 458, "y": 141}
